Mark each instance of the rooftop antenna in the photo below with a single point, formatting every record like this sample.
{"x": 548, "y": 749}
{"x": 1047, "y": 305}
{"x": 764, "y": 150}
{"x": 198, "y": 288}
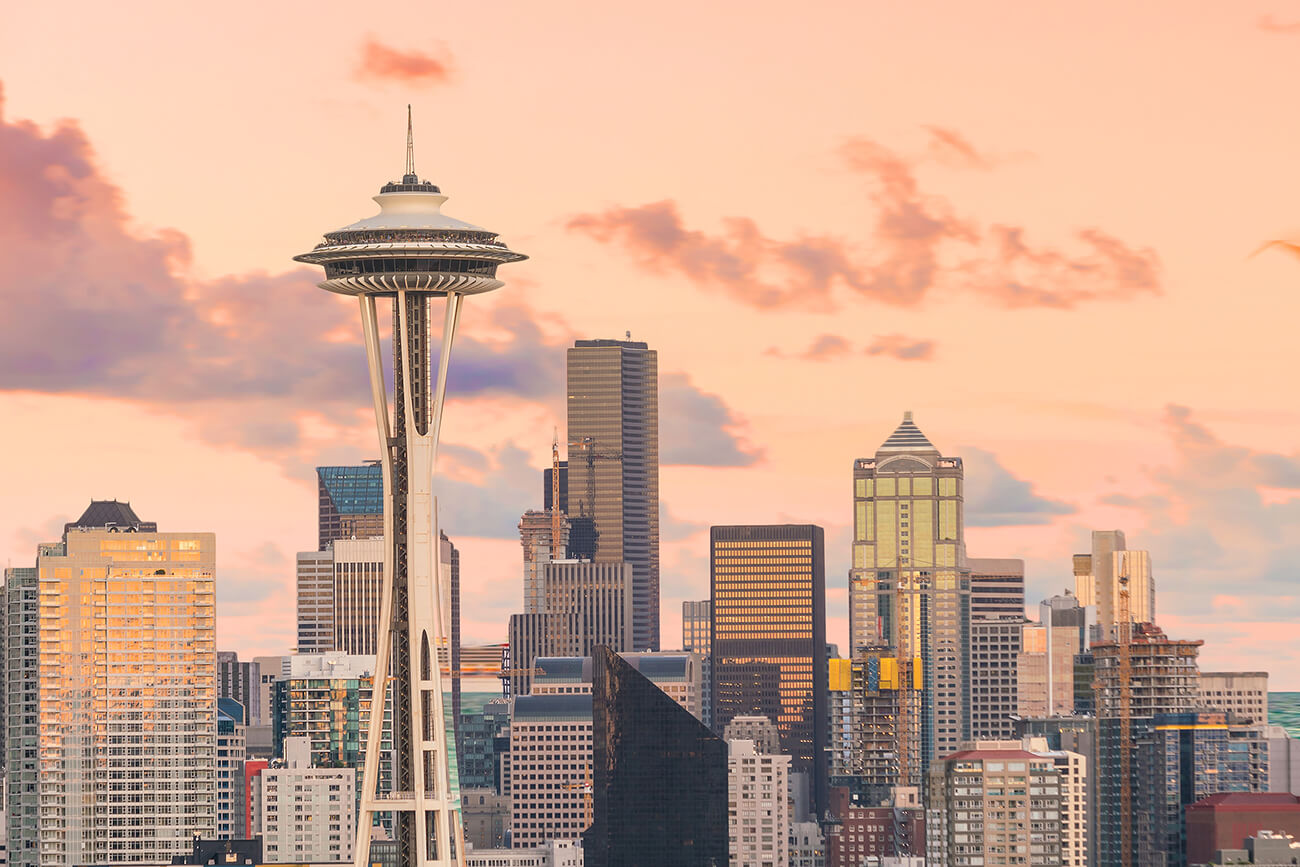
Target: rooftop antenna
{"x": 410, "y": 149}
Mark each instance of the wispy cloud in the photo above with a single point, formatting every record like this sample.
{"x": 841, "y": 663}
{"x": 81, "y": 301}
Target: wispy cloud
{"x": 916, "y": 245}
{"x": 902, "y": 348}
{"x": 380, "y": 62}
{"x": 1271, "y": 24}
{"x": 995, "y": 497}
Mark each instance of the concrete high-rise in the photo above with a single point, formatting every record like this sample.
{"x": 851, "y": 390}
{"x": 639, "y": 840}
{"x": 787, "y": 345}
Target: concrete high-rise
{"x": 909, "y": 584}
{"x": 412, "y": 256}
{"x": 550, "y": 768}
{"x": 126, "y": 717}
{"x": 1243, "y": 695}
{"x": 997, "y": 616}
{"x": 240, "y": 681}
{"x": 757, "y": 806}
{"x": 232, "y": 751}
{"x": 974, "y": 791}
{"x": 769, "y": 636}
{"x": 304, "y": 814}
{"x": 1099, "y": 575}
{"x": 584, "y": 605}
{"x": 613, "y": 466}
{"x": 22, "y": 710}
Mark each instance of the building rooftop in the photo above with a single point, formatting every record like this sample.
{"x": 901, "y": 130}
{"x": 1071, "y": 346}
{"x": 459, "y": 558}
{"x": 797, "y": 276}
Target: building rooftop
{"x": 551, "y": 707}
{"x": 1247, "y": 801}
{"x": 101, "y": 514}
{"x": 907, "y": 437}
{"x": 973, "y": 755}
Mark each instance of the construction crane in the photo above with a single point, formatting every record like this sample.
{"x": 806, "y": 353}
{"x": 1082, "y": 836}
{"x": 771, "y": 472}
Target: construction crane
{"x": 1123, "y": 636}
{"x": 557, "y": 518}
{"x": 588, "y": 447}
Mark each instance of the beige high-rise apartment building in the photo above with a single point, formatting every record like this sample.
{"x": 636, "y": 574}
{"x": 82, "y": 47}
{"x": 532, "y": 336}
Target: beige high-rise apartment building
{"x": 1046, "y": 662}
{"x": 550, "y": 768}
{"x": 994, "y": 804}
{"x": 1098, "y": 580}
{"x": 127, "y": 718}
{"x": 304, "y": 814}
{"x": 535, "y": 532}
{"x": 1241, "y": 694}
{"x": 757, "y": 806}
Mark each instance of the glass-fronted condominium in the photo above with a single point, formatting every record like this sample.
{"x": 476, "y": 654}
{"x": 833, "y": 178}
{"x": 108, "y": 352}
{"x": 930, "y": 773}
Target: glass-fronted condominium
{"x": 126, "y": 716}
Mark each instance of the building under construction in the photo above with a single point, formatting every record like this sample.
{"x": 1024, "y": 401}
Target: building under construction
{"x": 1141, "y": 674}
{"x": 866, "y": 694}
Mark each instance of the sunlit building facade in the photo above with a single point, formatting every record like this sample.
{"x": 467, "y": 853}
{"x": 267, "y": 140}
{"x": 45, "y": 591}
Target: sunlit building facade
{"x": 909, "y": 585}
{"x": 1097, "y": 581}
{"x": 613, "y": 467}
{"x": 127, "y": 711}
{"x": 769, "y": 636}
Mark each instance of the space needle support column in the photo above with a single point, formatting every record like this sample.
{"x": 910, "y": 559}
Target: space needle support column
{"x": 407, "y": 255}
{"x": 379, "y": 682}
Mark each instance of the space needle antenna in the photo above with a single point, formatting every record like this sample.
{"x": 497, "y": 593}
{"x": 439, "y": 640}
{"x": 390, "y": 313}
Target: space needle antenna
{"x": 410, "y": 144}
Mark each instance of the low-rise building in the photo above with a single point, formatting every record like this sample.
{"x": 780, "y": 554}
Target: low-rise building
{"x": 304, "y": 814}
{"x": 758, "y": 806}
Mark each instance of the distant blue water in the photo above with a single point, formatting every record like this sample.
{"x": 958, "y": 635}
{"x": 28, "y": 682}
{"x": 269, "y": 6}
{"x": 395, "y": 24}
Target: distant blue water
{"x": 1284, "y": 710}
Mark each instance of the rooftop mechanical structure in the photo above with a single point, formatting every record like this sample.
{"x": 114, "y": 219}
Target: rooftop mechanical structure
{"x": 411, "y": 255}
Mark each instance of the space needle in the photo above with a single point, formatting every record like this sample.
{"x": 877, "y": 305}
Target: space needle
{"x": 412, "y": 255}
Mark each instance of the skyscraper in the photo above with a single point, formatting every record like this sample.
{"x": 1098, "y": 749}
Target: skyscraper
{"x": 769, "y": 636}
{"x": 351, "y": 502}
{"x": 909, "y": 585}
{"x": 411, "y": 254}
{"x": 126, "y": 676}
{"x": 240, "y": 681}
{"x": 1099, "y": 575}
{"x": 659, "y": 777}
{"x": 997, "y": 616}
{"x": 22, "y": 696}
{"x": 613, "y": 466}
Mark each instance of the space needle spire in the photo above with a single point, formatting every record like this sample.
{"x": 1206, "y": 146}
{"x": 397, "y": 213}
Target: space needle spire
{"x": 413, "y": 257}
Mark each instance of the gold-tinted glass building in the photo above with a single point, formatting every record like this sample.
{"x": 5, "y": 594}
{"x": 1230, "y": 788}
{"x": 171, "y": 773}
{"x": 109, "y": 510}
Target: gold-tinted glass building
{"x": 909, "y": 586}
{"x": 613, "y": 468}
{"x": 769, "y": 636}
{"x": 127, "y": 691}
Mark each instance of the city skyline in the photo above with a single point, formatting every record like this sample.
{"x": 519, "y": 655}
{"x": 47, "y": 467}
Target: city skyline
{"x": 1159, "y": 434}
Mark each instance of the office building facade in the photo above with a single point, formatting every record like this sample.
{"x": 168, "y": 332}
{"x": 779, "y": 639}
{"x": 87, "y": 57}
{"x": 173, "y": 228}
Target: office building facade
{"x": 232, "y": 751}
{"x": 1243, "y": 695}
{"x": 1097, "y": 577}
{"x": 550, "y": 768}
{"x": 758, "y": 810}
{"x": 909, "y": 584}
{"x": 613, "y": 466}
{"x": 351, "y": 503}
{"x": 769, "y": 636}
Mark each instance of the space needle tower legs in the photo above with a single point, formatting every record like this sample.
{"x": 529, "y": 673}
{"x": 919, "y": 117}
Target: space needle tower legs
{"x": 410, "y": 255}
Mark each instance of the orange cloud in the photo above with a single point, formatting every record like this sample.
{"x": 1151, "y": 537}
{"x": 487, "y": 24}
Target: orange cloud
{"x": 1273, "y": 25}
{"x": 917, "y": 244}
{"x": 381, "y": 62}
{"x": 902, "y": 348}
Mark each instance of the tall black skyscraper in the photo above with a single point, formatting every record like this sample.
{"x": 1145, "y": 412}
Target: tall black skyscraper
{"x": 613, "y": 466}
{"x": 769, "y": 636}
{"x": 659, "y": 776}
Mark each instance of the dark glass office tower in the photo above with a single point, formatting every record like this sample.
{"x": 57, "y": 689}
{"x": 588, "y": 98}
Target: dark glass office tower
{"x": 351, "y": 502}
{"x": 613, "y": 466}
{"x": 659, "y": 776}
{"x": 769, "y": 636}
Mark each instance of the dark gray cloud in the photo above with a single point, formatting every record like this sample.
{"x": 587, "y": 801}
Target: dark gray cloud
{"x": 916, "y": 244}
{"x": 997, "y": 498}
{"x": 698, "y": 429}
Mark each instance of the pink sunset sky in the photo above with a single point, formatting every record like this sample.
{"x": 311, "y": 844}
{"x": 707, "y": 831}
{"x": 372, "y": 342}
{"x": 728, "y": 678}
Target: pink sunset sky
{"x": 1030, "y": 224}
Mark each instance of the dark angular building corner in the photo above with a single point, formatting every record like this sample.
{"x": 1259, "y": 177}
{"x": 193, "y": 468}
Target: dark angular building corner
{"x": 659, "y": 781}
